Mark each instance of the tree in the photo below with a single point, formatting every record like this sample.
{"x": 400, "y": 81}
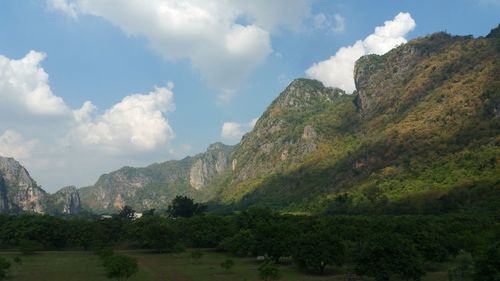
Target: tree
{"x": 126, "y": 213}
{"x": 120, "y": 267}
{"x": 385, "y": 255}
{"x": 156, "y": 233}
{"x": 268, "y": 271}
{"x": 241, "y": 244}
{"x": 227, "y": 264}
{"x": 317, "y": 249}
{"x": 487, "y": 264}
{"x": 4, "y": 267}
{"x": 274, "y": 238}
{"x": 183, "y": 206}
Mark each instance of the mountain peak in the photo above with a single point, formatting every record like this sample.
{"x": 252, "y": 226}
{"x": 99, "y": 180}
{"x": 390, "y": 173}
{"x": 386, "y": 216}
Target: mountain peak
{"x": 304, "y": 92}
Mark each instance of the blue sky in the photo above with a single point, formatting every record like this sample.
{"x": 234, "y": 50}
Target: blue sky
{"x": 103, "y": 53}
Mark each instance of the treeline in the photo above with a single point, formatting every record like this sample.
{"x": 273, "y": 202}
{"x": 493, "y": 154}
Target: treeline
{"x": 378, "y": 246}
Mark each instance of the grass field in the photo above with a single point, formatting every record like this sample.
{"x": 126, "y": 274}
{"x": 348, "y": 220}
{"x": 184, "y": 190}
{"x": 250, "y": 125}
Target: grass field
{"x": 80, "y": 266}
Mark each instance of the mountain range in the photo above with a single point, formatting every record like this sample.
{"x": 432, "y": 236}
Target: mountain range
{"x": 420, "y": 133}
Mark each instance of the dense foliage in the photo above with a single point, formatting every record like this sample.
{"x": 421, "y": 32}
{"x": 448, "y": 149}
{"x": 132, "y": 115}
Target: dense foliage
{"x": 383, "y": 247}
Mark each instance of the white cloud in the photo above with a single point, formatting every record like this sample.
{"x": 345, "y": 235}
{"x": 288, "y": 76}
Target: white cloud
{"x": 24, "y": 87}
{"x": 66, "y": 7}
{"x": 60, "y": 145}
{"x": 320, "y": 21}
{"x": 339, "y": 23}
{"x": 137, "y": 122}
{"x": 233, "y": 131}
{"x": 13, "y": 144}
{"x": 338, "y": 70}
{"x": 207, "y": 32}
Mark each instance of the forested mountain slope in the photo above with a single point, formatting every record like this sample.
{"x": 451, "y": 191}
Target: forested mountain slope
{"x": 420, "y": 134}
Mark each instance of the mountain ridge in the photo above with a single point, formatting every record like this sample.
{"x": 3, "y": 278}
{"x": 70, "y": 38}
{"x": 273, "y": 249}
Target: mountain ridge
{"x": 20, "y": 193}
{"x": 418, "y": 114}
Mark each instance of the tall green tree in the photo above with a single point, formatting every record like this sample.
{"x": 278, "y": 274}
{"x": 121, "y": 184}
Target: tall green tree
{"x": 385, "y": 255}
{"x": 183, "y": 206}
{"x": 315, "y": 250}
{"x": 126, "y": 213}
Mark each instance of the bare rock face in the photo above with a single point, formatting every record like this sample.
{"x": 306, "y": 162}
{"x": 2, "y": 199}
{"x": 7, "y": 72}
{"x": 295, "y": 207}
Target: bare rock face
{"x": 283, "y": 135}
{"x": 18, "y": 191}
{"x": 212, "y": 163}
{"x": 66, "y": 201}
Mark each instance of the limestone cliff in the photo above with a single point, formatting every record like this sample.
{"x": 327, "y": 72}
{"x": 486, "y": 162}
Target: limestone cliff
{"x": 65, "y": 201}
{"x": 156, "y": 185}
{"x": 18, "y": 191}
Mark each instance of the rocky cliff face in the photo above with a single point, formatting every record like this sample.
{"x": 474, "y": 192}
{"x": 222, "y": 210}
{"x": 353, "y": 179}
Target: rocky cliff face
{"x": 285, "y": 133}
{"x": 209, "y": 165}
{"x": 156, "y": 185}
{"x": 18, "y": 191}
{"x": 65, "y": 201}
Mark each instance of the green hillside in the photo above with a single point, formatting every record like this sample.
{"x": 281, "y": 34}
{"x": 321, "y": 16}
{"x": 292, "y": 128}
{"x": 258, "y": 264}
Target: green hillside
{"x": 421, "y": 134}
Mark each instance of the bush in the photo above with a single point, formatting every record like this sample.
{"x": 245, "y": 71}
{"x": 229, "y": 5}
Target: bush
{"x": 120, "y": 267}
{"x": 4, "y": 267}
{"x": 227, "y": 264}
{"x": 268, "y": 271}
{"x": 197, "y": 254}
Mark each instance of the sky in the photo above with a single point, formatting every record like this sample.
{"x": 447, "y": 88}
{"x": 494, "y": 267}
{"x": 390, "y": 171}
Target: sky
{"x": 89, "y": 86}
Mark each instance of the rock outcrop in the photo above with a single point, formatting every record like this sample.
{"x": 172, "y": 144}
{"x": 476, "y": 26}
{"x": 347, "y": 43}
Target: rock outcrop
{"x": 65, "y": 201}
{"x": 18, "y": 191}
{"x": 156, "y": 185}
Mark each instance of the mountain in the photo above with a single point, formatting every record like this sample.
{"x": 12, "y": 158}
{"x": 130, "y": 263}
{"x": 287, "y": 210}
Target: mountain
{"x": 420, "y": 133}
{"x": 422, "y": 127}
{"x": 65, "y": 201}
{"x": 156, "y": 185}
{"x": 20, "y": 193}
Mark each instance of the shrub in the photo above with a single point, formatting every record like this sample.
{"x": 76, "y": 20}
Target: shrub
{"x": 268, "y": 271}
{"x": 4, "y": 267}
{"x": 120, "y": 267}
{"x": 227, "y": 264}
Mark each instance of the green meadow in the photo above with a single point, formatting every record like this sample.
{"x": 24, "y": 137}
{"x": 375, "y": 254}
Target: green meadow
{"x": 84, "y": 266}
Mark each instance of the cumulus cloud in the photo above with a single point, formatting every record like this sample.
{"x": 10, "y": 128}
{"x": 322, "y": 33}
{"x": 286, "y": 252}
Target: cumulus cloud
{"x": 38, "y": 127}
{"x": 233, "y": 131}
{"x": 136, "y": 122}
{"x": 24, "y": 87}
{"x": 209, "y": 32}
{"x": 338, "y": 70}
{"x": 13, "y": 144}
